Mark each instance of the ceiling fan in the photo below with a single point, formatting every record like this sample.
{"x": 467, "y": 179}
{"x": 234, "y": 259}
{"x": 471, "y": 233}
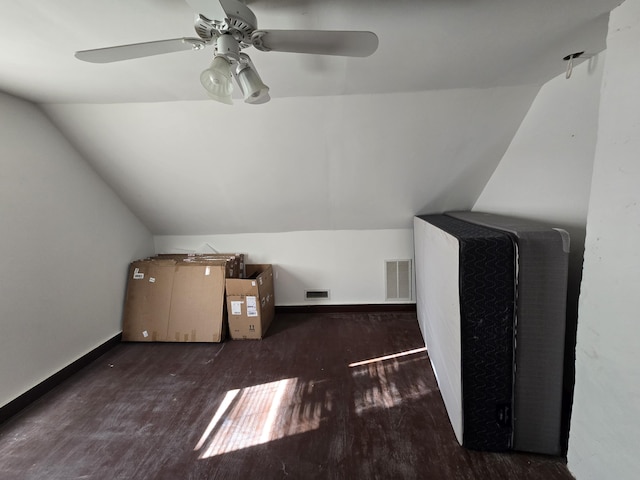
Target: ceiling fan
{"x": 230, "y": 26}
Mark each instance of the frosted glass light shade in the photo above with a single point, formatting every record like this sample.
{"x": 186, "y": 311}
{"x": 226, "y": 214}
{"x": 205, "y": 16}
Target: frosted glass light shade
{"x": 217, "y": 80}
{"x": 253, "y": 89}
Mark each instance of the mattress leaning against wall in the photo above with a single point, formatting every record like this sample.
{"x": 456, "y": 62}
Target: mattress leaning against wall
{"x": 543, "y": 263}
{"x": 465, "y": 285}
{"x": 532, "y": 327}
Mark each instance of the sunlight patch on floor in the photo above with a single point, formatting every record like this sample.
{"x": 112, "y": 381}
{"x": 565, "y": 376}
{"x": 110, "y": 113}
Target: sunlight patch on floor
{"x": 380, "y": 385}
{"x": 259, "y": 414}
{"x": 388, "y": 357}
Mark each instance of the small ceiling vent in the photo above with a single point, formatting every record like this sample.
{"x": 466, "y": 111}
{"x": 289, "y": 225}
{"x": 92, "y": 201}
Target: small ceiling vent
{"x": 399, "y": 279}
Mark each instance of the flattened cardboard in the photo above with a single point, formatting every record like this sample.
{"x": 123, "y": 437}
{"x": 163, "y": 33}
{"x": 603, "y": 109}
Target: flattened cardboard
{"x": 251, "y": 303}
{"x": 174, "y": 301}
{"x": 146, "y": 309}
{"x": 197, "y": 303}
{"x": 235, "y": 261}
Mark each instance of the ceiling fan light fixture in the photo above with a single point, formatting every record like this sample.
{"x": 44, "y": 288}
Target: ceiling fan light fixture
{"x": 253, "y": 89}
{"x": 230, "y": 26}
{"x": 217, "y": 80}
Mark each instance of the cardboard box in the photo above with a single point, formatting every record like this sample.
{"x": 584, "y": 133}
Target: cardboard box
{"x": 251, "y": 303}
{"x": 173, "y": 301}
{"x": 235, "y": 261}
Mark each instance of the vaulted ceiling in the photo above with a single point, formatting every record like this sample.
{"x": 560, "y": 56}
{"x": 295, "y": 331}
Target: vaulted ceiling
{"x": 345, "y": 143}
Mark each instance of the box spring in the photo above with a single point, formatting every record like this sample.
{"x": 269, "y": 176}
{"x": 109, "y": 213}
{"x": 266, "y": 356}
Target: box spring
{"x": 498, "y": 353}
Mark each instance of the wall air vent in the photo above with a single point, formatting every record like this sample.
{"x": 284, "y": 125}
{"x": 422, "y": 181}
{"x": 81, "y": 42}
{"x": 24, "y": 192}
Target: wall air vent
{"x": 316, "y": 294}
{"x": 398, "y": 279}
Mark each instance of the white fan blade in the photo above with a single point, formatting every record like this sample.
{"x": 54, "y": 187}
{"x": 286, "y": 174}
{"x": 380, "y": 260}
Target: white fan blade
{"x": 321, "y": 42}
{"x": 138, "y": 50}
{"x": 224, "y": 9}
{"x": 212, "y": 9}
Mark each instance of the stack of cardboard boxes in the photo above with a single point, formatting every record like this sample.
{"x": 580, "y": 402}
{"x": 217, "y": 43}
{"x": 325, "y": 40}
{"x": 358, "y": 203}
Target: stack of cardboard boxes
{"x": 181, "y": 298}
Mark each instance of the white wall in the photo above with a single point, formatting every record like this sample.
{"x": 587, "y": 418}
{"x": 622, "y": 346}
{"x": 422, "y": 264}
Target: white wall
{"x": 545, "y": 173}
{"x": 66, "y": 241}
{"x": 349, "y": 263}
{"x": 605, "y": 428}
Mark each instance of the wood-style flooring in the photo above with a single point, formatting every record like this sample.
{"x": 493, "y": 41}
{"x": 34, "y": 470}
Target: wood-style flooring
{"x": 323, "y": 396}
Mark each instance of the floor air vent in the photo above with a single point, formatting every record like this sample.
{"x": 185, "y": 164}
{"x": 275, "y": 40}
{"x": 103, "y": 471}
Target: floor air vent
{"x": 316, "y": 294}
{"x": 398, "y": 276}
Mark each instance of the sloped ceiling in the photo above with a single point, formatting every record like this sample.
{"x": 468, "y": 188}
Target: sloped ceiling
{"x": 359, "y": 143}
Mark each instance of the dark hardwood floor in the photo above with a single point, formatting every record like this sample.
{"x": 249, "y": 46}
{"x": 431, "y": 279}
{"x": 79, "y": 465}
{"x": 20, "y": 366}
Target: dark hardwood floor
{"x": 310, "y": 401}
